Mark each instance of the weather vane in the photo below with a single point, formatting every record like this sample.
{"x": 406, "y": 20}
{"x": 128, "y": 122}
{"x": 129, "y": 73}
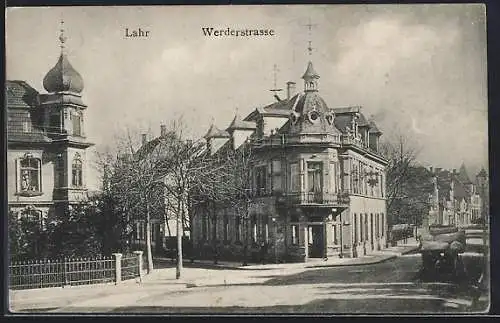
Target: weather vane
{"x": 309, "y": 27}
{"x": 62, "y": 37}
{"x": 275, "y": 74}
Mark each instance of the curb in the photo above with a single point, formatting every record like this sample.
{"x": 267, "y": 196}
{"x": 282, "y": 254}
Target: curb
{"x": 354, "y": 264}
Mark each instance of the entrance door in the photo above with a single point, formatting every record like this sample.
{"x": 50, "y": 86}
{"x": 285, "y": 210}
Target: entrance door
{"x": 316, "y": 241}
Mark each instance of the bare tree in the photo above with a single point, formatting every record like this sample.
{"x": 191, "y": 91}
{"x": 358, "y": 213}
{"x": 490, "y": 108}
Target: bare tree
{"x": 135, "y": 179}
{"x": 408, "y": 185}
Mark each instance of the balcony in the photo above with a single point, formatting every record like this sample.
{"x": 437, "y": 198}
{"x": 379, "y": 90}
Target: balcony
{"x": 317, "y": 199}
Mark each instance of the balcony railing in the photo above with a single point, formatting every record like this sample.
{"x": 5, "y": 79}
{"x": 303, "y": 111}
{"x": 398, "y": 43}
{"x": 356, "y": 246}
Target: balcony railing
{"x": 317, "y": 198}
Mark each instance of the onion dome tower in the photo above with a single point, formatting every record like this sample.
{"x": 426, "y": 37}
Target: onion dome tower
{"x": 63, "y": 77}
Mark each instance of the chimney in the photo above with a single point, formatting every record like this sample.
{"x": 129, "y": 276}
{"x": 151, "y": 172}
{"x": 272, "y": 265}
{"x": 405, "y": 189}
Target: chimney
{"x": 290, "y": 89}
{"x": 163, "y": 131}
{"x": 144, "y": 138}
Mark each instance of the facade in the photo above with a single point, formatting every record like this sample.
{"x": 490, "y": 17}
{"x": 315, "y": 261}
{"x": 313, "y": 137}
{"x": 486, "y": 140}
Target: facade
{"x": 318, "y": 182}
{"x": 46, "y": 157}
{"x": 456, "y": 199}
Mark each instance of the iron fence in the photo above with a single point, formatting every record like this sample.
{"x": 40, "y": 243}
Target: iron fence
{"x": 130, "y": 267}
{"x": 59, "y": 273}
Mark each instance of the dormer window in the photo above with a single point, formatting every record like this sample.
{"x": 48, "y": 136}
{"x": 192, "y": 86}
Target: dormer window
{"x": 294, "y": 116}
{"x": 313, "y": 116}
{"x": 29, "y": 175}
{"x": 330, "y": 117}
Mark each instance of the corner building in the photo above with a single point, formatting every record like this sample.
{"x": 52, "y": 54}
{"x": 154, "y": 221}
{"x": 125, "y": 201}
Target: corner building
{"x": 46, "y": 143}
{"x": 318, "y": 182}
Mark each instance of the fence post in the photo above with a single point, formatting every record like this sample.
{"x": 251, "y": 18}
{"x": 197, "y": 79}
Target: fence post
{"x": 118, "y": 267}
{"x": 139, "y": 262}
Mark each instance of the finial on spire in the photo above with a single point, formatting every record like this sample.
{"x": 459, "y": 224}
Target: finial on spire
{"x": 62, "y": 37}
{"x": 275, "y": 75}
{"x": 309, "y": 26}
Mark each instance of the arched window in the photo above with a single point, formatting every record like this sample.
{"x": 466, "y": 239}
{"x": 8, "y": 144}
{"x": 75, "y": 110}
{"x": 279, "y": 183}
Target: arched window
{"x": 76, "y": 171}
{"x": 30, "y": 174}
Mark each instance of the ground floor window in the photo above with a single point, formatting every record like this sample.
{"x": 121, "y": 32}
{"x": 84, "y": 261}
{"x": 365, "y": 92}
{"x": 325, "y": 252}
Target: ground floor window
{"x": 254, "y": 230}
{"x": 295, "y": 234}
{"x": 204, "y": 227}
{"x": 361, "y": 231}
{"x": 226, "y": 228}
{"x": 238, "y": 228}
{"x": 335, "y": 235}
{"x": 356, "y": 231}
{"x": 383, "y": 225}
{"x": 310, "y": 235}
{"x": 366, "y": 227}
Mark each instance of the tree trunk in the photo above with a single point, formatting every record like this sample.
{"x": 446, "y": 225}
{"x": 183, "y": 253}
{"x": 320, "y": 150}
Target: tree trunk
{"x": 179, "y": 239}
{"x": 148, "y": 239}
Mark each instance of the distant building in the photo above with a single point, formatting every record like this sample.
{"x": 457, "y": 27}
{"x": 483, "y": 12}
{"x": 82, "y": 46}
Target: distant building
{"x": 456, "y": 199}
{"x": 46, "y": 142}
{"x": 318, "y": 182}
{"x": 163, "y": 214}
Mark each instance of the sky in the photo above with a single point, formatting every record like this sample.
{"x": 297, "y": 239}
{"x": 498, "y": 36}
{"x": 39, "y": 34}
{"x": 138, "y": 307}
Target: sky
{"x": 415, "y": 69}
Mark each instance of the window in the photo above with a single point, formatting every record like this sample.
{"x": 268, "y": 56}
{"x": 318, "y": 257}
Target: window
{"x": 335, "y": 235}
{"x": 295, "y": 234}
{"x": 383, "y": 224}
{"x": 355, "y": 179}
{"x": 366, "y": 227}
{"x": 254, "y": 229}
{"x": 333, "y": 177}
{"x": 30, "y": 174}
{"x": 294, "y": 177}
{"x": 214, "y": 228}
{"x": 310, "y": 235}
{"x": 27, "y": 126}
{"x": 276, "y": 171}
{"x": 314, "y": 177}
{"x": 238, "y": 228}
{"x": 226, "y": 227}
{"x": 361, "y": 231}
{"x": 77, "y": 123}
{"x": 260, "y": 179}
{"x": 138, "y": 230}
{"x": 204, "y": 227}
{"x": 33, "y": 217}
{"x": 76, "y": 172}
{"x": 356, "y": 230}
{"x": 266, "y": 232}
{"x": 153, "y": 231}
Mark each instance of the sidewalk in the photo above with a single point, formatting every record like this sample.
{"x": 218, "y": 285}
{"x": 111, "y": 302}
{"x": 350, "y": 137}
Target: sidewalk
{"x": 161, "y": 280}
{"x": 371, "y": 258}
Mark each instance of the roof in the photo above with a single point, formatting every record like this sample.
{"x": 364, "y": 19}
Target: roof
{"x": 23, "y": 117}
{"x": 373, "y": 128}
{"x": 20, "y": 94}
{"x": 307, "y": 105}
{"x": 215, "y": 132}
{"x": 63, "y": 77}
{"x": 239, "y": 124}
{"x": 463, "y": 176}
{"x": 482, "y": 173}
{"x": 281, "y": 108}
{"x": 310, "y": 72}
